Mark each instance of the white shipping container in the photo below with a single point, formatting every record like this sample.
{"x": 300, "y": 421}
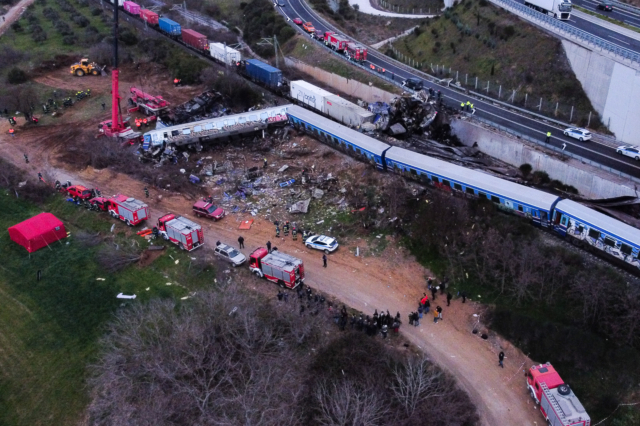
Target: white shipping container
{"x": 346, "y": 112}
{"x": 217, "y": 51}
{"x": 310, "y": 95}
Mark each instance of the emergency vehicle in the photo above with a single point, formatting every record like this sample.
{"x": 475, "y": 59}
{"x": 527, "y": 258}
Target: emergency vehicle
{"x": 179, "y": 230}
{"x": 78, "y": 191}
{"x": 558, "y": 404}
{"x": 281, "y": 268}
{"x": 127, "y": 209}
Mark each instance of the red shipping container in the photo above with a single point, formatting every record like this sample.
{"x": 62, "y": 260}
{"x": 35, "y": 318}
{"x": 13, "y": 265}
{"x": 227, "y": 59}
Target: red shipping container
{"x": 149, "y": 17}
{"x": 195, "y": 39}
{"x": 132, "y": 8}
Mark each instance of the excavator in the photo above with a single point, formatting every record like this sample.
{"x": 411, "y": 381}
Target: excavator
{"x": 85, "y": 67}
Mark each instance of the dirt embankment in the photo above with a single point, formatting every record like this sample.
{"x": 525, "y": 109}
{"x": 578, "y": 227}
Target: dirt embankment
{"x": 393, "y": 280}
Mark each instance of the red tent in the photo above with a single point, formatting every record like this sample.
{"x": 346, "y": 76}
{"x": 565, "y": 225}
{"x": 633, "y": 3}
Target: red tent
{"x": 37, "y": 232}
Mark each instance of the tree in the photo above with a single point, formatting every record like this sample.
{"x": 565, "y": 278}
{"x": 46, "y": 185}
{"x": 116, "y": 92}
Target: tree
{"x": 526, "y": 169}
{"x": 345, "y": 404}
{"x": 416, "y": 381}
{"x": 17, "y": 76}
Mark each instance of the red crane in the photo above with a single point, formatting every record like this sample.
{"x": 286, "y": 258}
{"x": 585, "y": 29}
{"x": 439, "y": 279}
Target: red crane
{"x": 116, "y": 126}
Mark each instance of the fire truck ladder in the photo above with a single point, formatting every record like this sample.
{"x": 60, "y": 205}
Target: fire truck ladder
{"x": 559, "y": 411}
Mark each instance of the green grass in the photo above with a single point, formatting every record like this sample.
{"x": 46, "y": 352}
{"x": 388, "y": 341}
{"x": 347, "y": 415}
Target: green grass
{"x": 606, "y": 18}
{"x": 49, "y": 329}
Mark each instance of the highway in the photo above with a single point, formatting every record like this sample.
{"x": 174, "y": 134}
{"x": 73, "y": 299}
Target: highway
{"x": 599, "y": 31}
{"x": 619, "y": 14}
{"x": 521, "y": 123}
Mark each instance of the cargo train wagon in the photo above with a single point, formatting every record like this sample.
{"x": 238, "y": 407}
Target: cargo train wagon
{"x": 581, "y": 225}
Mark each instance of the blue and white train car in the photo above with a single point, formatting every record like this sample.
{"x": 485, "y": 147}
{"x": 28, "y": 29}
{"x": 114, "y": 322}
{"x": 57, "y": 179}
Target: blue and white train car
{"x": 338, "y": 136}
{"x": 588, "y": 227}
{"x": 524, "y": 201}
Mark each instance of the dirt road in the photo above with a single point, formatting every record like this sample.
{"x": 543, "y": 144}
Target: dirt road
{"x": 13, "y": 14}
{"x": 393, "y": 281}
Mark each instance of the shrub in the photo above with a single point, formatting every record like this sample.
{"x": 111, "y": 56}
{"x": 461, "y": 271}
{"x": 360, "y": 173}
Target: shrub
{"x": 63, "y": 28}
{"x": 16, "y": 27}
{"x": 525, "y": 169}
{"x": 39, "y": 37}
{"x": 128, "y": 37}
{"x": 95, "y": 11}
{"x": 16, "y": 76}
{"x": 286, "y": 33}
{"x": 540, "y": 177}
{"x": 509, "y": 31}
{"x": 68, "y": 40}
{"x": 81, "y": 21}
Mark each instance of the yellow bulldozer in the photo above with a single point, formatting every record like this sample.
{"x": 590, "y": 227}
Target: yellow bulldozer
{"x": 84, "y": 67}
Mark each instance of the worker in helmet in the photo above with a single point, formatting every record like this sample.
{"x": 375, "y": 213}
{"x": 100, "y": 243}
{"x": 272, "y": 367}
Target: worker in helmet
{"x": 264, "y": 163}
{"x": 176, "y": 81}
{"x": 145, "y": 122}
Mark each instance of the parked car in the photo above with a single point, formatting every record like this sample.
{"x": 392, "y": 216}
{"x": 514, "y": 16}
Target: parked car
{"x": 297, "y": 21}
{"x": 308, "y": 27}
{"x": 629, "y": 151}
{"x": 229, "y": 254}
{"x": 606, "y": 5}
{"x": 322, "y": 242}
{"x": 204, "y": 208}
{"x": 413, "y": 84}
{"x": 80, "y": 192}
{"x": 578, "y": 133}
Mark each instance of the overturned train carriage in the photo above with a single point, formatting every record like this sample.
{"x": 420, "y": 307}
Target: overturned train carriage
{"x": 219, "y": 128}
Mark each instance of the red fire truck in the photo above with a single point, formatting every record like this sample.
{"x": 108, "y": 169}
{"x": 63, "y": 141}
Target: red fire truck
{"x": 281, "y": 268}
{"x": 127, "y": 209}
{"x": 336, "y": 41}
{"x": 179, "y": 230}
{"x": 558, "y": 404}
{"x": 356, "y": 52}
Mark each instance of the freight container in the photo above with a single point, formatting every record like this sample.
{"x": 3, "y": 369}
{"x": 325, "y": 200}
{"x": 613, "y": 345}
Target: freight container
{"x": 309, "y": 95}
{"x": 195, "y": 39}
{"x": 169, "y": 27}
{"x": 217, "y": 51}
{"x": 132, "y": 8}
{"x": 263, "y": 73}
{"x": 149, "y": 16}
{"x": 346, "y": 112}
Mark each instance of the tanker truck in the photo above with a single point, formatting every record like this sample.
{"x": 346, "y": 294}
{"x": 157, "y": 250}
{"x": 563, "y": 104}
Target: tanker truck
{"x": 559, "y": 9}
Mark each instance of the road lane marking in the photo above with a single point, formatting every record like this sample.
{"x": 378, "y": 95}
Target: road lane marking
{"x": 621, "y": 41}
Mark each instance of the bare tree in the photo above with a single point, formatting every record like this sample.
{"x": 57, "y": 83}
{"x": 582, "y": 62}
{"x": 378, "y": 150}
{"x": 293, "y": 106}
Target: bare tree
{"x": 416, "y": 381}
{"x": 348, "y": 404}
{"x": 114, "y": 257}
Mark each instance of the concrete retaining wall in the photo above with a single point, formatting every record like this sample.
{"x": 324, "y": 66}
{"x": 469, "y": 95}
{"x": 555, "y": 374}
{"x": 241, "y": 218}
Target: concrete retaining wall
{"x": 352, "y": 87}
{"x": 612, "y": 87}
{"x": 590, "y": 181}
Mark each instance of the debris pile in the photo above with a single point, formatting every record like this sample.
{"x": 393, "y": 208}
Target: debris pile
{"x": 405, "y": 115}
{"x": 208, "y": 104}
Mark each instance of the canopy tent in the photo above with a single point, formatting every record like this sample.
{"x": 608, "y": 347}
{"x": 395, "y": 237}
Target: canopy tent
{"x": 37, "y": 232}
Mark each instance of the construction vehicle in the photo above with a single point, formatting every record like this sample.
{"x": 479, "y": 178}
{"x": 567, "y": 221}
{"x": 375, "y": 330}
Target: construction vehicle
{"x": 281, "y": 268}
{"x": 179, "y": 230}
{"x": 127, "y": 209}
{"x": 116, "y": 126}
{"x": 558, "y": 404}
{"x": 85, "y": 67}
{"x": 146, "y": 103}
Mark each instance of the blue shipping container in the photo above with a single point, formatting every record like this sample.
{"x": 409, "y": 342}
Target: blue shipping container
{"x": 264, "y": 73}
{"x": 170, "y": 27}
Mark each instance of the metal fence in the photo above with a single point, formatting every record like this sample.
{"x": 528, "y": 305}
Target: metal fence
{"x": 571, "y": 33}
{"x": 553, "y": 148}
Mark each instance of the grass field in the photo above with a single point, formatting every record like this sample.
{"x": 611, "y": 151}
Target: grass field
{"x": 49, "y": 329}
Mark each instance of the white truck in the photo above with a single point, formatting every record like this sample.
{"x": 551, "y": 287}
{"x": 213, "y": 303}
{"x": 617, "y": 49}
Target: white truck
{"x": 224, "y": 54}
{"x": 559, "y": 9}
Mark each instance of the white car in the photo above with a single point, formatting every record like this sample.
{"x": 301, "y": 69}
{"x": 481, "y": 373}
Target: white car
{"x": 629, "y": 151}
{"x": 322, "y": 242}
{"x": 229, "y": 254}
{"x": 578, "y": 133}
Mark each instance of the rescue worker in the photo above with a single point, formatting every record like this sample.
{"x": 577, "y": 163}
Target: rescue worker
{"x": 146, "y": 192}
{"x": 294, "y": 233}
{"x": 34, "y": 120}
{"x": 548, "y": 137}
{"x": 58, "y": 185}
{"x": 176, "y": 81}
{"x": 103, "y": 106}
{"x": 145, "y": 122}
{"x": 472, "y": 108}
{"x": 26, "y": 159}
{"x": 11, "y": 132}
{"x": 277, "y": 231}
{"x": 462, "y": 106}
{"x": 264, "y": 163}
{"x": 468, "y": 106}
{"x": 40, "y": 177}
{"x": 269, "y": 246}
{"x": 286, "y": 228}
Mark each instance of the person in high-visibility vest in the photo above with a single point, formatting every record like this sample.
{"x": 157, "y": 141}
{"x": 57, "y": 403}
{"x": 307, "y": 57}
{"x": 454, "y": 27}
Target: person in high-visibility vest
{"x": 144, "y": 121}
{"x": 472, "y": 108}
{"x": 176, "y": 81}
{"x": 548, "y": 137}
{"x": 138, "y": 123}
{"x": 11, "y": 132}
{"x": 468, "y": 106}
{"x": 264, "y": 163}
{"x": 462, "y": 106}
